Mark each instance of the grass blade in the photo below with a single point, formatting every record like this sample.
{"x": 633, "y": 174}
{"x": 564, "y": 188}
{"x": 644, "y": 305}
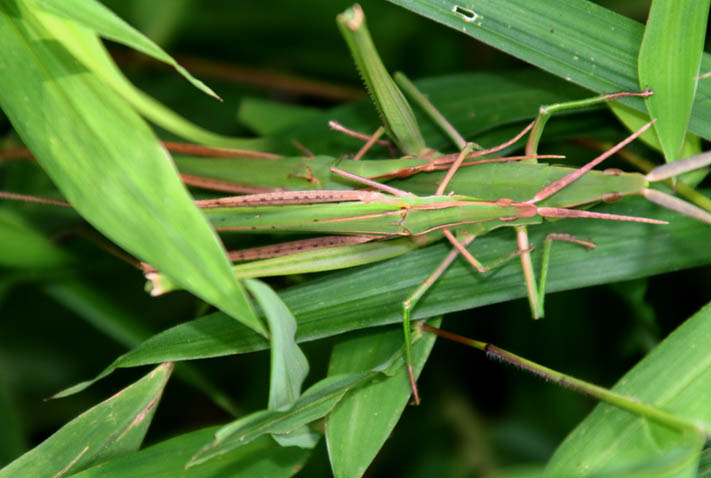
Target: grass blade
{"x": 289, "y": 366}
{"x": 112, "y": 428}
{"x": 676, "y": 376}
{"x": 580, "y": 41}
{"x": 314, "y": 404}
{"x": 108, "y": 163}
{"x": 669, "y": 62}
{"x": 167, "y": 459}
{"x": 353, "y": 436}
{"x": 370, "y": 296}
{"x": 84, "y": 43}
{"x": 95, "y": 16}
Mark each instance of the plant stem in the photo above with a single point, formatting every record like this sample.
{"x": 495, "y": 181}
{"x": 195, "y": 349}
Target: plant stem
{"x": 623, "y": 402}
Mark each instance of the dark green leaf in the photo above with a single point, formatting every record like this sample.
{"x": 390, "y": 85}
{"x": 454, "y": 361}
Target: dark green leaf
{"x": 371, "y": 295}
{"x": 112, "y": 428}
{"x": 360, "y": 423}
{"x": 261, "y": 457}
{"x": 675, "y": 376}
{"x": 107, "y": 162}
{"x": 579, "y": 41}
{"x": 669, "y": 62}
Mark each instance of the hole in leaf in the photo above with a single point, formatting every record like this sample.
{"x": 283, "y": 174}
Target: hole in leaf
{"x": 465, "y": 13}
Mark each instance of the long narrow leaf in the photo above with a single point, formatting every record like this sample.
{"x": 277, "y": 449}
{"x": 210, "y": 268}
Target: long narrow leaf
{"x": 372, "y": 295}
{"x": 580, "y": 41}
{"x": 84, "y": 43}
{"x": 167, "y": 459}
{"x": 108, "y": 163}
{"x": 103, "y": 21}
{"x": 315, "y": 403}
{"x": 675, "y": 376}
{"x": 358, "y": 426}
{"x": 669, "y": 63}
{"x": 112, "y": 428}
{"x": 289, "y": 367}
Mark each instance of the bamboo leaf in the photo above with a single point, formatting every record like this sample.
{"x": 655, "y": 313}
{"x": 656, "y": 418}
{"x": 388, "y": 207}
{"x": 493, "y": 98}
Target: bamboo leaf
{"x": 22, "y": 246}
{"x": 496, "y": 99}
{"x": 705, "y": 464}
{"x": 96, "y": 17}
{"x": 87, "y": 48}
{"x": 669, "y": 62}
{"x": 371, "y": 295}
{"x": 167, "y": 459}
{"x": 359, "y": 424}
{"x": 289, "y": 367}
{"x": 112, "y": 428}
{"x": 675, "y": 376}
{"x": 108, "y": 163}
{"x": 315, "y": 403}
{"x": 579, "y": 41}
{"x": 634, "y": 120}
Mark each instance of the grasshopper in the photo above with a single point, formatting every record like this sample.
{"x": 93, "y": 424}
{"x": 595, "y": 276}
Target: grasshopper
{"x": 368, "y": 226}
{"x": 364, "y": 226}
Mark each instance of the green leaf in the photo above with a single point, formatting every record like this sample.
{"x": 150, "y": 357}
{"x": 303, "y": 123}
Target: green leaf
{"x": 23, "y": 246}
{"x": 14, "y": 442}
{"x": 669, "y": 62}
{"x": 167, "y": 459}
{"x": 96, "y": 17}
{"x": 112, "y": 428}
{"x": 358, "y": 426}
{"x": 161, "y": 20}
{"x": 371, "y": 295}
{"x": 289, "y": 366}
{"x": 266, "y": 117}
{"x": 496, "y": 98}
{"x": 634, "y": 120}
{"x": 705, "y": 464}
{"x": 580, "y": 41}
{"x": 108, "y": 163}
{"x": 315, "y": 403}
{"x": 675, "y": 376}
{"x": 87, "y": 48}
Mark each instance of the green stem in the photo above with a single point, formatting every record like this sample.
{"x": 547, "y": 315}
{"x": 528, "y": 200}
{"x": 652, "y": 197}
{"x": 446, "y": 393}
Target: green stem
{"x": 620, "y": 401}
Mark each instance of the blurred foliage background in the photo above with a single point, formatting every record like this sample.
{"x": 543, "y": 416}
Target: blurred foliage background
{"x": 475, "y": 416}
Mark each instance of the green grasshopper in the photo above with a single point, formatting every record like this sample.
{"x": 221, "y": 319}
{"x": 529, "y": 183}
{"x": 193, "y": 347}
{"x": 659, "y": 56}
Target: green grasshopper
{"x": 366, "y": 226}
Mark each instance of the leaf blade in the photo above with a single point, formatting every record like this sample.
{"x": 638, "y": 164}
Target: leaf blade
{"x": 674, "y": 376}
{"x": 579, "y": 41}
{"x": 108, "y": 163}
{"x": 360, "y": 423}
{"x": 111, "y": 428}
{"x": 97, "y": 17}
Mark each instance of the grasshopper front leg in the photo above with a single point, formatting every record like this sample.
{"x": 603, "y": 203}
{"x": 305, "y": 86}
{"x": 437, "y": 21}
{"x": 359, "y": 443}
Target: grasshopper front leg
{"x": 536, "y": 294}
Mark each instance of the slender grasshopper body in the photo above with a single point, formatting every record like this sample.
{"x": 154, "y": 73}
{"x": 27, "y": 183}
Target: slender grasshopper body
{"x": 374, "y": 213}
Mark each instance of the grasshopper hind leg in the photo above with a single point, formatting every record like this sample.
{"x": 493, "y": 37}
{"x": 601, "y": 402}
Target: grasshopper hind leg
{"x": 409, "y": 304}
